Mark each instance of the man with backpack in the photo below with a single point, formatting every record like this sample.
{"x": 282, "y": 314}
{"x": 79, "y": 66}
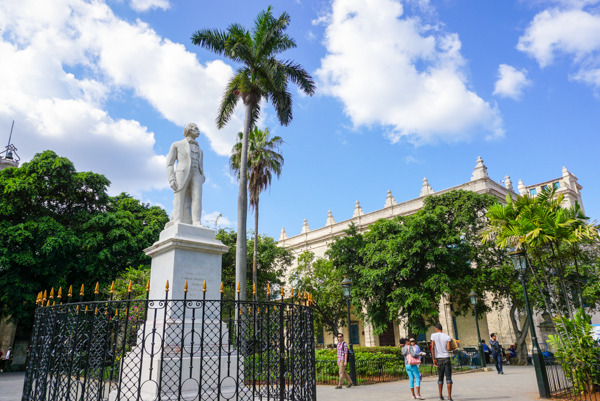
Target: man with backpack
{"x": 496, "y": 353}
{"x": 342, "y": 361}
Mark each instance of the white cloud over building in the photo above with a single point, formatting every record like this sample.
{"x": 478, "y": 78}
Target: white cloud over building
{"x": 400, "y": 73}
{"x": 511, "y": 82}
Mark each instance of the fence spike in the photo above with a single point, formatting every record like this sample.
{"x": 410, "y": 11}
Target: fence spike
{"x": 116, "y": 312}
{"x": 185, "y": 286}
{"x": 130, "y": 287}
{"x": 292, "y": 294}
{"x": 96, "y": 311}
{"x": 59, "y": 295}
{"x": 77, "y": 309}
{"x": 97, "y": 289}
{"x": 238, "y": 289}
{"x": 48, "y": 304}
{"x": 86, "y": 308}
{"x": 268, "y": 289}
{"x": 204, "y": 286}
{"x": 282, "y": 292}
{"x": 45, "y": 296}
{"x": 70, "y": 293}
{"x": 81, "y": 292}
{"x": 222, "y": 287}
{"x": 112, "y": 288}
{"x": 148, "y": 286}
{"x": 253, "y": 289}
{"x": 167, "y": 286}
{"x": 52, "y": 293}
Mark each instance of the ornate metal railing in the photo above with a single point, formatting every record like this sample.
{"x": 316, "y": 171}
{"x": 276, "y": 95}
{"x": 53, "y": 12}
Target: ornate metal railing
{"x": 172, "y": 350}
{"x": 577, "y": 383}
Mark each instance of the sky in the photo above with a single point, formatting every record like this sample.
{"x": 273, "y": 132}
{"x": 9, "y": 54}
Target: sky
{"x": 405, "y": 90}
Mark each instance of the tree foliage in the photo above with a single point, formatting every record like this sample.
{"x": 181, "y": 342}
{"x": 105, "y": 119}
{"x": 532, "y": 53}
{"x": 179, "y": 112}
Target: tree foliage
{"x": 60, "y": 227}
{"x": 272, "y": 261}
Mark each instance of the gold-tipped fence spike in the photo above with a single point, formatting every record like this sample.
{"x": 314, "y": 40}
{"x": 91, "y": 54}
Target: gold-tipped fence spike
{"x": 116, "y": 312}
{"x": 45, "y": 296}
{"x": 204, "y": 286}
{"x": 70, "y": 293}
{"x": 86, "y": 308}
{"x": 130, "y": 286}
{"x": 52, "y": 293}
{"x": 112, "y": 288}
{"x": 148, "y": 286}
{"x": 268, "y": 289}
{"x": 292, "y": 293}
{"x": 253, "y": 289}
{"x": 282, "y": 292}
{"x": 82, "y": 292}
{"x": 239, "y": 288}
{"x": 48, "y": 304}
{"x": 59, "y": 295}
{"x": 96, "y": 311}
{"x": 222, "y": 287}
{"x": 97, "y": 289}
{"x": 77, "y": 309}
{"x": 185, "y": 286}
{"x": 167, "y": 286}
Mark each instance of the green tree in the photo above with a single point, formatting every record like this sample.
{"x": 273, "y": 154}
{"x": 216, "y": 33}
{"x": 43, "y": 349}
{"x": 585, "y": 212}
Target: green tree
{"x": 272, "y": 261}
{"x": 261, "y": 76}
{"x": 263, "y": 161}
{"x": 319, "y": 278}
{"x": 59, "y": 227}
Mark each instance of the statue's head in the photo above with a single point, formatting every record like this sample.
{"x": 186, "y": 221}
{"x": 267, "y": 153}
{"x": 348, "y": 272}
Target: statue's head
{"x": 191, "y": 130}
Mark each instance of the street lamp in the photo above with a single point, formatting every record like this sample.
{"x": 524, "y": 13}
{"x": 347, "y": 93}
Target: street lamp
{"x": 519, "y": 259}
{"x": 347, "y": 291}
{"x": 473, "y": 297}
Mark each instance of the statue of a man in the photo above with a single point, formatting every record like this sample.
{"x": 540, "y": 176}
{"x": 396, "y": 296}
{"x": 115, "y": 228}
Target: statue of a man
{"x": 186, "y": 179}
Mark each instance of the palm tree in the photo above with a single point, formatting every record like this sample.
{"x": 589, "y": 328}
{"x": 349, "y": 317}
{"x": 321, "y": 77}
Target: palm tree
{"x": 261, "y": 76}
{"x": 263, "y": 161}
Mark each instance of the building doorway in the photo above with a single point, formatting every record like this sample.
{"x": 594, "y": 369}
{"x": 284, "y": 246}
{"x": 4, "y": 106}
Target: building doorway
{"x": 387, "y": 338}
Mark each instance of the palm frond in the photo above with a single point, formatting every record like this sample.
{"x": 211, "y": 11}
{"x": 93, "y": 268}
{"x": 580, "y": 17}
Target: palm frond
{"x": 211, "y": 39}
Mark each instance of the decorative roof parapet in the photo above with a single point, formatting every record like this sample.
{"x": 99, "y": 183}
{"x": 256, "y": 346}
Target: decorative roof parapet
{"x": 357, "y": 210}
{"x": 508, "y": 183}
{"x": 283, "y": 236}
{"x": 330, "y": 219}
{"x": 480, "y": 170}
{"x": 426, "y": 189}
{"x": 522, "y": 189}
{"x": 389, "y": 200}
{"x": 305, "y": 227}
{"x": 569, "y": 179}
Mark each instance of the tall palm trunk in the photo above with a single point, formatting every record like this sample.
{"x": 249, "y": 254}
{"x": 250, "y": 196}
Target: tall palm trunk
{"x": 254, "y": 256}
{"x": 240, "y": 251}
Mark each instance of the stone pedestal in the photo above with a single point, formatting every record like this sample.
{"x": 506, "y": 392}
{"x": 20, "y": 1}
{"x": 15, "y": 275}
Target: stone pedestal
{"x": 182, "y": 349}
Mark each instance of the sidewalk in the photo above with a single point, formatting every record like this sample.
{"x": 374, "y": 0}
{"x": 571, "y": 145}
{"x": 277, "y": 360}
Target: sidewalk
{"x": 518, "y": 383}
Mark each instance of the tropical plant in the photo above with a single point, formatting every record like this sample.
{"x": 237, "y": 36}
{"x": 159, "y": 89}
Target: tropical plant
{"x": 263, "y": 161}
{"x": 261, "y": 76}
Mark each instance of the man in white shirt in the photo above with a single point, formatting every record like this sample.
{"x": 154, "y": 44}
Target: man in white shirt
{"x": 440, "y": 353}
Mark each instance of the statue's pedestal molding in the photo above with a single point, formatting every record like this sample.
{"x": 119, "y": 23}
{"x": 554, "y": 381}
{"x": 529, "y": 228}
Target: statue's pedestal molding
{"x": 186, "y": 253}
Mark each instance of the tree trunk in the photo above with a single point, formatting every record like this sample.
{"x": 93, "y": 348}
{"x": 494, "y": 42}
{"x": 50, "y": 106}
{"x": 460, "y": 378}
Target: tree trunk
{"x": 241, "y": 264}
{"x": 254, "y": 256}
{"x": 521, "y": 335}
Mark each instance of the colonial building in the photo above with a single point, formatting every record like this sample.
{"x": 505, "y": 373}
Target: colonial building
{"x": 318, "y": 240}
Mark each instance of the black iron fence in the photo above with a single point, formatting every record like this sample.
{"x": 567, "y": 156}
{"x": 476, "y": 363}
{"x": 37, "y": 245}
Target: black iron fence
{"x": 577, "y": 382}
{"x": 172, "y": 349}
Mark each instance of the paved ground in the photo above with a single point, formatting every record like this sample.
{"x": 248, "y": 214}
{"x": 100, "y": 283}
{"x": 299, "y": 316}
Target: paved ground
{"x": 518, "y": 384}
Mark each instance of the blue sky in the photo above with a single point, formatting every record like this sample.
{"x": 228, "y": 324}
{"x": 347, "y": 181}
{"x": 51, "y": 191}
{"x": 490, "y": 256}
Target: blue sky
{"x": 405, "y": 90}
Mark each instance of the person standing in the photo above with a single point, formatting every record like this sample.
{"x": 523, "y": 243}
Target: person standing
{"x": 342, "y": 361}
{"x": 412, "y": 359}
{"x": 486, "y": 351}
{"x": 496, "y": 353}
{"x": 441, "y": 359}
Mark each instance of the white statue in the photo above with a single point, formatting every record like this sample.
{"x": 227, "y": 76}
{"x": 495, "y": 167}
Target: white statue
{"x": 186, "y": 179}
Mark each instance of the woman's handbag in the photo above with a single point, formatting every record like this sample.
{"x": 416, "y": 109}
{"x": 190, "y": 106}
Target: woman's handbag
{"x": 411, "y": 360}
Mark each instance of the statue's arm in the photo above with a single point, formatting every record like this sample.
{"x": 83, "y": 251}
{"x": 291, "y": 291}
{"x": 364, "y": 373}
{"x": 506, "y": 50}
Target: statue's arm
{"x": 171, "y": 157}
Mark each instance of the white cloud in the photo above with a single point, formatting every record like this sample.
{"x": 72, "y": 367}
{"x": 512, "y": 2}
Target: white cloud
{"x": 61, "y": 61}
{"x": 145, "y": 5}
{"x": 511, "y": 82}
{"x": 215, "y": 219}
{"x": 395, "y": 71}
{"x": 568, "y": 30}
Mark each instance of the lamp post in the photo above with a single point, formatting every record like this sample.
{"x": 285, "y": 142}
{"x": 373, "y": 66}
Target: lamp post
{"x": 473, "y": 297}
{"x": 519, "y": 259}
{"x": 347, "y": 291}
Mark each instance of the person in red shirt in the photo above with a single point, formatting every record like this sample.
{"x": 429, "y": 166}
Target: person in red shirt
{"x": 342, "y": 361}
